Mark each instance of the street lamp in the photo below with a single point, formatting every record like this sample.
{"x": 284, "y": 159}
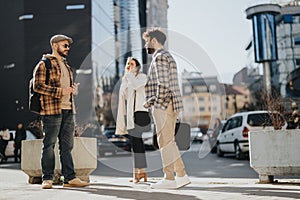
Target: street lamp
{"x": 264, "y": 37}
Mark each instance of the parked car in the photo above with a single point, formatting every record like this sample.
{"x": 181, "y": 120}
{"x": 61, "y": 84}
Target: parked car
{"x": 196, "y": 135}
{"x": 9, "y": 151}
{"x": 104, "y": 146}
{"x": 213, "y": 134}
{"x": 148, "y": 138}
{"x": 234, "y": 135}
{"x": 122, "y": 142}
{"x": 109, "y": 142}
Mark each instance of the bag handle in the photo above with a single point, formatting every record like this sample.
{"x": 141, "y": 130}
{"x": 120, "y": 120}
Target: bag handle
{"x": 134, "y": 100}
{"x": 179, "y": 117}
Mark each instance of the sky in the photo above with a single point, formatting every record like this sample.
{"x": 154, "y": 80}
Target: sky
{"x": 219, "y": 28}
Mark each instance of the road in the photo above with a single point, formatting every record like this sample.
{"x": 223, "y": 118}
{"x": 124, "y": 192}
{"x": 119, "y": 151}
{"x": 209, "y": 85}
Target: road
{"x": 198, "y": 162}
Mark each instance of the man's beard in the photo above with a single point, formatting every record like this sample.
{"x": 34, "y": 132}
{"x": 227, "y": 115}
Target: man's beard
{"x": 150, "y": 50}
{"x": 61, "y": 53}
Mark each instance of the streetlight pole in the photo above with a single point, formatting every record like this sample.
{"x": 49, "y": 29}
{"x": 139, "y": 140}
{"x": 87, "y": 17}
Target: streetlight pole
{"x": 267, "y": 73}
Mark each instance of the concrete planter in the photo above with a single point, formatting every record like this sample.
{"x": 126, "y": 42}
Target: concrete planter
{"x": 275, "y": 153}
{"x": 84, "y": 156}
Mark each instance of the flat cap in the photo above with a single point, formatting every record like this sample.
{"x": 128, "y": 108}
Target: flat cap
{"x": 60, "y": 37}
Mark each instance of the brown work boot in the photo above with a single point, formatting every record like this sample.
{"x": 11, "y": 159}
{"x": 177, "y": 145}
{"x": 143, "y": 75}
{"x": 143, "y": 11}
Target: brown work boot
{"x": 76, "y": 182}
{"x": 47, "y": 184}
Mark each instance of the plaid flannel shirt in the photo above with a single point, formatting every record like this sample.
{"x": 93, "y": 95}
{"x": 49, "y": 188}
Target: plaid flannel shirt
{"x": 162, "y": 82}
{"x": 50, "y": 93}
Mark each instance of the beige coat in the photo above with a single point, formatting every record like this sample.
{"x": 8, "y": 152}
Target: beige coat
{"x": 5, "y": 134}
{"x": 130, "y": 84}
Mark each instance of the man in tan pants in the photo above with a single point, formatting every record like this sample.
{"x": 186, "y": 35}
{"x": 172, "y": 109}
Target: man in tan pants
{"x": 163, "y": 96}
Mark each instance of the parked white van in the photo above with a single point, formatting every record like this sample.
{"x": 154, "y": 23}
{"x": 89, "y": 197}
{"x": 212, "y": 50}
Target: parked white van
{"x": 234, "y": 135}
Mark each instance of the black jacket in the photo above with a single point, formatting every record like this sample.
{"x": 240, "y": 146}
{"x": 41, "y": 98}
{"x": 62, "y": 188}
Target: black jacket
{"x": 20, "y": 135}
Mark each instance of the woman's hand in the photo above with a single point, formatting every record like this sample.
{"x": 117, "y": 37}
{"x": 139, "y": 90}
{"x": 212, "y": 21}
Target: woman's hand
{"x": 133, "y": 70}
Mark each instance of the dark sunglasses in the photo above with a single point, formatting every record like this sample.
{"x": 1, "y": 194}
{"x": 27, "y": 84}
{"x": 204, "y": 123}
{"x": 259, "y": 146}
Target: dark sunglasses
{"x": 66, "y": 46}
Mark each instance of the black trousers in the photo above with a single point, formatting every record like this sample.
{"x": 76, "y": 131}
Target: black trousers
{"x": 17, "y": 149}
{"x": 138, "y": 148}
{"x": 3, "y": 144}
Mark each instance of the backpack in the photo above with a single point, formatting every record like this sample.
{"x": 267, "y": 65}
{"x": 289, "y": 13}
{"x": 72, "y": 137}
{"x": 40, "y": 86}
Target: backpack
{"x": 34, "y": 97}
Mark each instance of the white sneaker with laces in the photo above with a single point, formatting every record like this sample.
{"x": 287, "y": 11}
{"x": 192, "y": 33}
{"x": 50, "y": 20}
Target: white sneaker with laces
{"x": 164, "y": 184}
{"x": 182, "y": 181}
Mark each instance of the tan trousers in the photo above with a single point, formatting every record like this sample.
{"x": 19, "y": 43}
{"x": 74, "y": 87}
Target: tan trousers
{"x": 165, "y": 121}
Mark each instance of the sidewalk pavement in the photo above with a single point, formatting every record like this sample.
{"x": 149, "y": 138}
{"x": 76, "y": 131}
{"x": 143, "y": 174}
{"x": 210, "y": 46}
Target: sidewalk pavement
{"x": 14, "y": 185}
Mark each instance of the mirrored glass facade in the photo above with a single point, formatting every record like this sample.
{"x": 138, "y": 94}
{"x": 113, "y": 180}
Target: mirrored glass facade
{"x": 264, "y": 31}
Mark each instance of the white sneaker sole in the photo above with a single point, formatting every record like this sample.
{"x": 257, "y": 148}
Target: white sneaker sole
{"x": 182, "y": 185}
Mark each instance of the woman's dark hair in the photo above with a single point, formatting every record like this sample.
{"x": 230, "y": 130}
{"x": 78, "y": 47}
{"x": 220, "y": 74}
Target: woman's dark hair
{"x": 137, "y": 63}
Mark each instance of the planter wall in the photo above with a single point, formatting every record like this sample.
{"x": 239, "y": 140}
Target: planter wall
{"x": 84, "y": 157}
{"x": 275, "y": 153}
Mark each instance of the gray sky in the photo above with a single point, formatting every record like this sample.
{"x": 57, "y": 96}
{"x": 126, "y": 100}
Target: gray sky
{"x": 219, "y": 27}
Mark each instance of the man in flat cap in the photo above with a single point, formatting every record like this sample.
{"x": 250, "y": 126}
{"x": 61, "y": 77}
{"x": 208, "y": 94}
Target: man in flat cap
{"x": 57, "y": 89}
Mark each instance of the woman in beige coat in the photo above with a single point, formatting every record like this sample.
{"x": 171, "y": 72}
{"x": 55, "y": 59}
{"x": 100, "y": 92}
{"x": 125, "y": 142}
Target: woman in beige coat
{"x": 131, "y": 99}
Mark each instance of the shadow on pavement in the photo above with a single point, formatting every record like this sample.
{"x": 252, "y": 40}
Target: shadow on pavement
{"x": 252, "y": 191}
{"x": 121, "y": 191}
{"x": 286, "y": 183}
{"x": 118, "y": 192}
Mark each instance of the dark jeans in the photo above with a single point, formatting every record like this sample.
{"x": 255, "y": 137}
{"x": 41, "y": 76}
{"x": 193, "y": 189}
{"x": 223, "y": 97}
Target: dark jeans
{"x": 18, "y": 148}
{"x": 61, "y": 127}
{"x": 138, "y": 149}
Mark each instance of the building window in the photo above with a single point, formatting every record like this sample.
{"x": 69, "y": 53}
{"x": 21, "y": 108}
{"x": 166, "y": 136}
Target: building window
{"x": 200, "y": 88}
{"x": 201, "y": 99}
{"x": 201, "y": 108}
{"x": 298, "y": 61}
{"x": 288, "y": 19}
{"x": 297, "y": 41}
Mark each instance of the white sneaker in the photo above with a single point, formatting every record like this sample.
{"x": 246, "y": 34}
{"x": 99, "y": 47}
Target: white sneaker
{"x": 182, "y": 181}
{"x": 164, "y": 184}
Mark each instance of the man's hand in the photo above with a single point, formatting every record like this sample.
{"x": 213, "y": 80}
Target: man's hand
{"x": 75, "y": 88}
{"x": 149, "y": 103}
{"x": 71, "y": 90}
{"x": 67, "y": 91}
